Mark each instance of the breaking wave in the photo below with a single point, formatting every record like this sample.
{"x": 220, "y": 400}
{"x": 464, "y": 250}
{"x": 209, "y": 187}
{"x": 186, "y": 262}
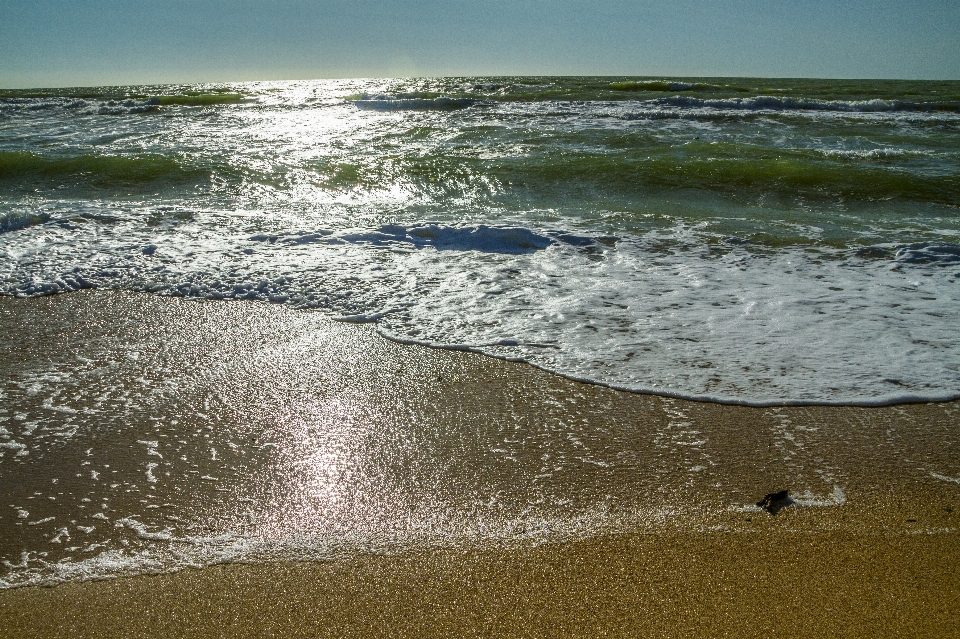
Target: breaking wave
{"x": 934, "y": 253}
{"x": 664, "y": 85}
{"x": 92, "y": 105}
{"x": 776, "y": 103}
{"x": 16, "y": 220}
{"x": 482, "y": 238}
{"x": 410, "y": 102}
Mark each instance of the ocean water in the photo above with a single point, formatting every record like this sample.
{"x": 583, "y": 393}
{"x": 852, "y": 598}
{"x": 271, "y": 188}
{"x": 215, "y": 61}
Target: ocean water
{"x": 750, "y": 241}
{"x": 747, "y": 241}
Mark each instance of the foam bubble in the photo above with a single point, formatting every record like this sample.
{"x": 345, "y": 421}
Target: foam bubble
{"x": 41, "y": 521}
{"x": 836, "y": 498}
{"x": 955, "y": 480}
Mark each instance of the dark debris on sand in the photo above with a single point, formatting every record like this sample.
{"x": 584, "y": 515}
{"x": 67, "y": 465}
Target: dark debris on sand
{"x": 774, "y": 502}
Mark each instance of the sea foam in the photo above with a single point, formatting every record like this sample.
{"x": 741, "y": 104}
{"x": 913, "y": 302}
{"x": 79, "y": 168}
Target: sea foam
{"x": 734, "y": 243}
{"x": 739, "y": 327}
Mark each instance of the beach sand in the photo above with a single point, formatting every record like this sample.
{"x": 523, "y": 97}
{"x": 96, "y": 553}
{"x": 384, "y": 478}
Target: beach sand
{"x": 762, "y": 584}
{"x": 669, "y": 542}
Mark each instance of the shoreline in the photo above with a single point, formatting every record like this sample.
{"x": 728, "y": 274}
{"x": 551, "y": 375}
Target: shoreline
{"x": 703, "y": 399}
{"x": 906, "y": 400}
{"x": 876, "y": 517}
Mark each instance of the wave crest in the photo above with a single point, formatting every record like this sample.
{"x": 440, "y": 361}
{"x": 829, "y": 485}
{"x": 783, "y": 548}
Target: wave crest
{"x": 94, "y": 169}
{"x": 776, "y": 103}
{"x": 409, "y": 102}
{"x": 16, "y": 220}
{"x": 486, "y": 239}
{"x": 936, "y": 253}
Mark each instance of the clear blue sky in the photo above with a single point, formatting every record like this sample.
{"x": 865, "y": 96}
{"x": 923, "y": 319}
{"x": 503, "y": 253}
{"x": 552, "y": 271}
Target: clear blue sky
{"x": 95, "y": 42}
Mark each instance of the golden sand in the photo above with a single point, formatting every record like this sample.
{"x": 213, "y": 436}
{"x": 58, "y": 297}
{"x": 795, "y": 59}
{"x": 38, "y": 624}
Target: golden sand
{"x": 760, "y": 584}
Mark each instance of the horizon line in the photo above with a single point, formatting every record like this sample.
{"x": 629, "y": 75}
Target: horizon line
{"x": 480, "y": 75}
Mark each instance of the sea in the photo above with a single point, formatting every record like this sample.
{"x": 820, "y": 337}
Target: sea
{"x": 750, "y": 241}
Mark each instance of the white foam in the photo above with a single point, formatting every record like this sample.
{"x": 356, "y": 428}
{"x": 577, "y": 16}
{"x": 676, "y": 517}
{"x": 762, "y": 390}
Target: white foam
{"x": 836, "y": 498}
{"x": 870, "y": 154}
{"x": 40, "y": 521}
{"x": 143, "y": 532}
{"x": 21, "y": 449}
{"x": 774, "y": 328}
{"x": 166, "y": 552}
{"x": 151, "y": 448}
{"x": 61, "y": 534}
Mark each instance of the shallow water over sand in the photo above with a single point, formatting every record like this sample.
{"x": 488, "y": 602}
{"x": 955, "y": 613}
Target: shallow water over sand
{"x": 143, "y": 434}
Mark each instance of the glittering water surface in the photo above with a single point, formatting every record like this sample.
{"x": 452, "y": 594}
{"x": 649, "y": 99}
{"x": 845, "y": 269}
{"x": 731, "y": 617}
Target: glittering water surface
{"x": 760, "y": 242}
{"x": 142, "y": 434}
{"x": 751, "y": 241}
{"x": 182, "y": 442}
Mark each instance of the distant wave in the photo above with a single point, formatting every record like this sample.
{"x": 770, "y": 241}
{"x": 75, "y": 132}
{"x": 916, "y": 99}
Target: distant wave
{"x": 409, "y": 101}
{"x": 112, "y": 106}
{"x": 80, "y": 106}
{"x": 775, "y": 103}
{"x": 758, "y": 103}
{"x": 94, "y": 169}
{"x": 202, "y": 99}
{"x": 664, "y": 85}
{"x": 855, "y": 175}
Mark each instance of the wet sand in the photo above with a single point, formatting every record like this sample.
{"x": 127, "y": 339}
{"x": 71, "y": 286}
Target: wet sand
{"x": 668, "y": 545}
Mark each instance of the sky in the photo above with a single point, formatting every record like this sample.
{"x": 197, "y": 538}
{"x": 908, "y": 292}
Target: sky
{"x": 48, "y": 43}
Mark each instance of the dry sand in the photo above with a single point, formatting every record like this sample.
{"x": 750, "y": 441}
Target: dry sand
{"x": 761, "y": 584}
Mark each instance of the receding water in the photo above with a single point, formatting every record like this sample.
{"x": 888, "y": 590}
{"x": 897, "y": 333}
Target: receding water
{"x": 144, "y": 434}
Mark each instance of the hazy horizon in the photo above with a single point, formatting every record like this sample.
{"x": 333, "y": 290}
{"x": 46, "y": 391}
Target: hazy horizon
{"x": 105, "y": 42}
{"x": 476, "y": 76}
{"x": 427, "y": 77}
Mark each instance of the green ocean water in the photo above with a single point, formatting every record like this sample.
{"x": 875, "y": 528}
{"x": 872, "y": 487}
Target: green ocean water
{"x": 628, "y": 231}
{"x": 877, "y": 155}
